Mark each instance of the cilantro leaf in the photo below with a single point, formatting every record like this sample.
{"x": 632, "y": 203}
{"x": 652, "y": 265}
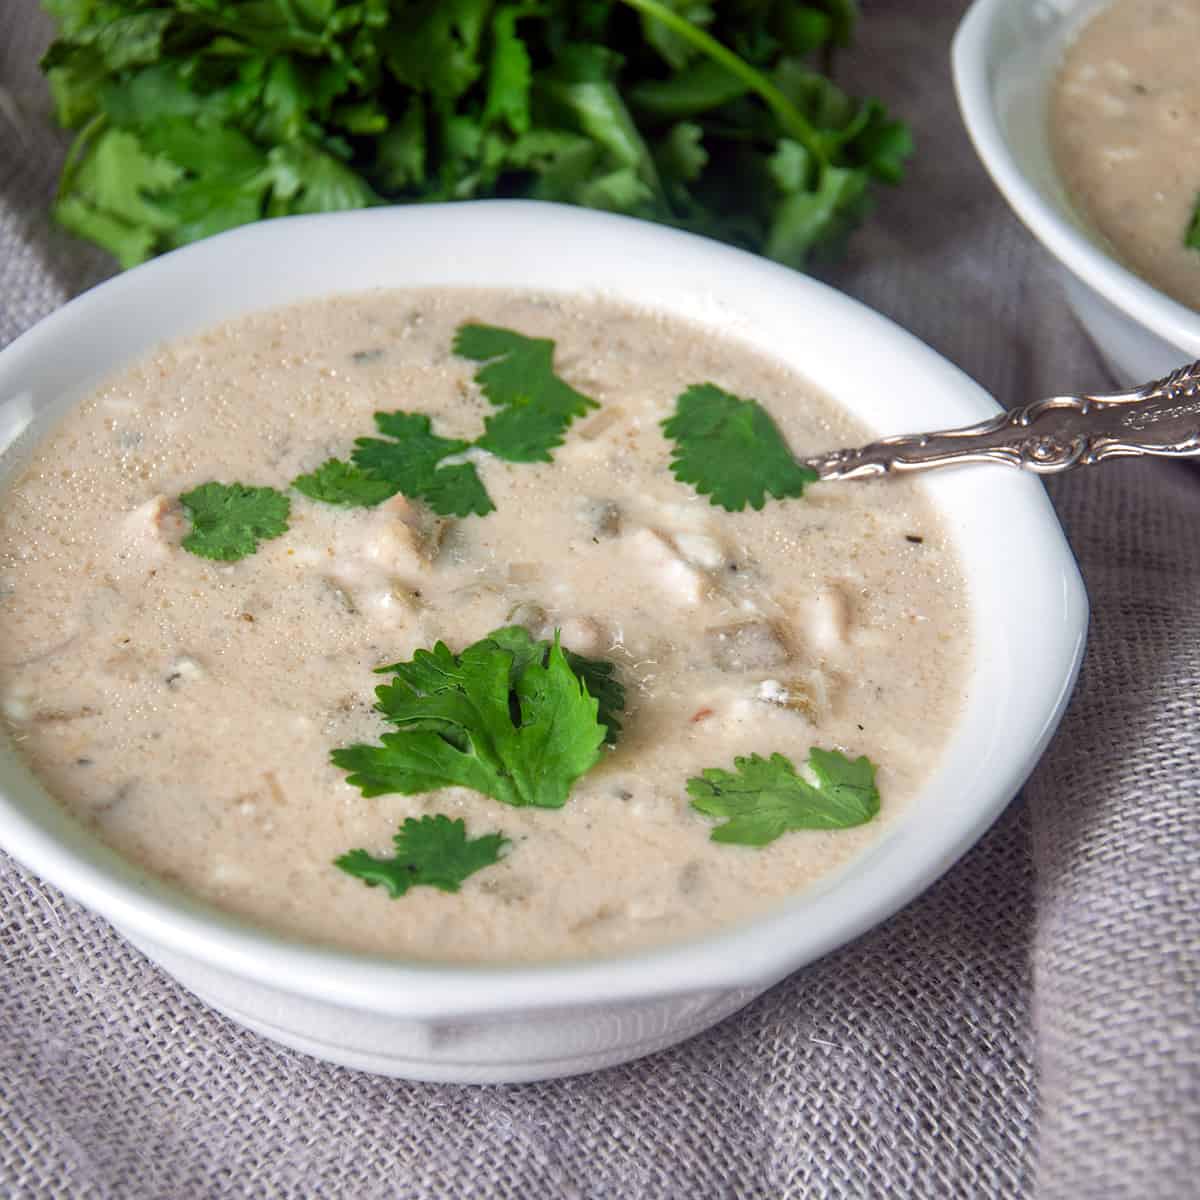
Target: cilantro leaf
{"x": 804, "y": 218}
{"x": 118, "y": 40}
{"x": 681, "y": 154}
{"x": 882, "y": 144}
{"x": 456, "y": 491}
{"x": 411, "y": 462}
{"x": 580, "y": 88}
{"x": 504, "y": 723}
{"x": 675, "y": 50}
{"x": 337, "y": 482}
{"x": 224, "y": 179}
{"x": 536, "y": 406}
{"x": 436, "y": 47}
{"x": 597, "y": 674}
{"x": 730, "y": 450}
{"x": 599, "y": 677}
{"x": 509, "y": 78}
{"x": 115, "y": 197}
{"x": 316, "y": 181}
{"x": 433, "y": 852}
{"x": 690, "y": 92}
{"x": 401, "y": 153}
{"x": 128, "y": 244}
{"x": 229, "y": 520}
{"x": 1191, "y": 238}
{"x": 765, "y": 798}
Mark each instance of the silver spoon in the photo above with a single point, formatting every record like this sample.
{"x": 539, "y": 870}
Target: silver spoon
{"x": 1047, "y": 436}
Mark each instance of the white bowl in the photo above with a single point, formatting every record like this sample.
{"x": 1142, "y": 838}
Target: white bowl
{"x": 531, "y": 1022}
{"x": 1006, "y": 54}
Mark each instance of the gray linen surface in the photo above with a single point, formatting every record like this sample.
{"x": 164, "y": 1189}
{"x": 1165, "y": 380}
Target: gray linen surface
{"x": 1029, "y": 1027}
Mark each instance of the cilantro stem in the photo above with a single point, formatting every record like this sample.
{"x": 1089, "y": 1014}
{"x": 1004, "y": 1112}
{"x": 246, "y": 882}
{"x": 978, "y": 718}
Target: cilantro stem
{"x": 790, "y": 117}
{"x": 86, "y": 135}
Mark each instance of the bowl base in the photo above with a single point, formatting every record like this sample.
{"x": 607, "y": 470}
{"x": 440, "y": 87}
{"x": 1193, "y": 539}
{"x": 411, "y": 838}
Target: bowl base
{"x": 534, "y": 1045}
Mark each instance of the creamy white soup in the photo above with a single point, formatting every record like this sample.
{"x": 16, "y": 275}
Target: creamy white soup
{"x": 185, "y": 709}
{"x": 1126, "y": 135}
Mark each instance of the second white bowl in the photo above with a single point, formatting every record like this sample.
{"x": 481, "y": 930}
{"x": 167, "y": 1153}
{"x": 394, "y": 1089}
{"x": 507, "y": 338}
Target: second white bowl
{"x": 1005, "y": 57}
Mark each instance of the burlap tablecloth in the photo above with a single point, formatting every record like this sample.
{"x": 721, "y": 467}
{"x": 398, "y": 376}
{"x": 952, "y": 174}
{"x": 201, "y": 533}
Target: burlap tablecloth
{"x": 1029, "y": 1027}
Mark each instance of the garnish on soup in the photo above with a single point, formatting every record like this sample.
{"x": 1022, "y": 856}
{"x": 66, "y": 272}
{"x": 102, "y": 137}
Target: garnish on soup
{"x": 229, "y": 520}
{"x": 508, "y": 717}
{"x": 536, "y": 406}
{"x": 337, "y": 482}
{"x": 730, "y": 450}
{"x": 432, "y": 852}
{"x": 764, "y": 798}
{"x": 412, "y": 459}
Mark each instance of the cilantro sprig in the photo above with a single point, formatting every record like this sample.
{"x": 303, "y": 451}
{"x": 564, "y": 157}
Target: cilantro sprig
{"x": 598, "y": 675}
{"x": 411, "y": 460}
{"x": 229, "y": 520}
{"x": 193, "y": 116}
{"x": 536, "y": 406}
{"x": 508, "y": 717}
{"x": 730, "y": 450}
{"x": 764, "y": 798}
{"x": 431, "y": 852}
{"x": 337, "y": 482}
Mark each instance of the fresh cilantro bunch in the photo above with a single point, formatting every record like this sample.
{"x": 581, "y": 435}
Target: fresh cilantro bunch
{"x": 194, "y": 116}
{"x": 516, "y": 719}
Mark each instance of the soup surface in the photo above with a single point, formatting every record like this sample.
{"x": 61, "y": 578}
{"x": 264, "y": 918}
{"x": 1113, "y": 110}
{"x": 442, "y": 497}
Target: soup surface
{"x": 1126, "y": 133}
{"x": 185, "y": 709}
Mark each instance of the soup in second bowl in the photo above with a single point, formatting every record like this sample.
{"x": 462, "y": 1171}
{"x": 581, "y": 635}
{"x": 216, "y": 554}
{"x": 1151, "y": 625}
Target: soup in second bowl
{"x": 1125, "y": 128}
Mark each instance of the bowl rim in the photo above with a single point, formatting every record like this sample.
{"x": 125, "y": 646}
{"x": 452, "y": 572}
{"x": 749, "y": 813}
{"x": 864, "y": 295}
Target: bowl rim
{"x": 755, "y": 952}
{"x": 1106, "y": 275}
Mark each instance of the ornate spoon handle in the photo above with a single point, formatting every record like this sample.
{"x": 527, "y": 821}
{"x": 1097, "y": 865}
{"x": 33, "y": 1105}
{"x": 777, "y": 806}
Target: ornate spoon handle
{"x": 1047, "y": 436}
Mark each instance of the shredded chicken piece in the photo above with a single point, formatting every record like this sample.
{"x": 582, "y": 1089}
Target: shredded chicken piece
{"x": 829, "y": 622}
{"x": 154, "y": 528}
{"x": 666, "y": 567}
{"x": 584, "y": 635}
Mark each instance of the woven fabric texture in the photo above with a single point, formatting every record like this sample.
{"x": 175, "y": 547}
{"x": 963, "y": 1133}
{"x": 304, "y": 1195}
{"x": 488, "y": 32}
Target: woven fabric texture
{"x": 1030, "y": 1026}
